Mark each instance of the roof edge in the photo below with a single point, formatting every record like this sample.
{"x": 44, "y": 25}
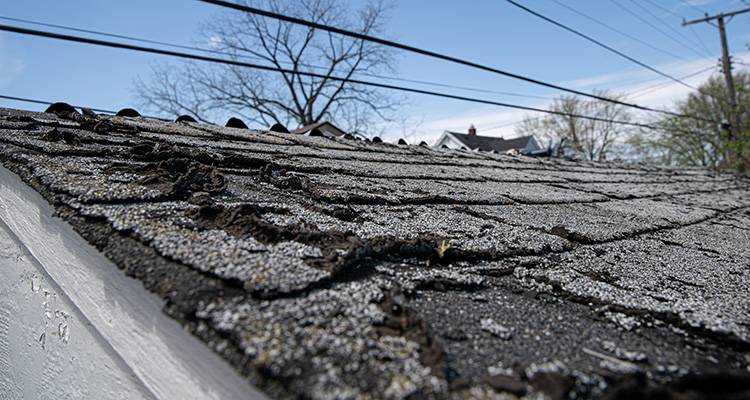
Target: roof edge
{"x": 169, "y": 361}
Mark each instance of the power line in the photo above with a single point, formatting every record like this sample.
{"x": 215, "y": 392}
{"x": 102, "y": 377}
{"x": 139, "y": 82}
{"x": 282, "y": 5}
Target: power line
{"x": 631, "y": 81}
{"x": 653, "y": 88}
{"x": 700, "y": 40}
{"x": 700, "y": 10}
{"x": 726, "y": 63}
{"x": 613, "y": 29}
{"x": 663, "y": 84}
{"x": 467, "y": 88}
{"x": 645, "y": 90}
{"x": 592, "y": 19}
{"x": 501, "y": 126}
{"x": 198, "y": 57}
{"x": 654, "y": 27}
{"x": 195, "y": 48}
{"x": 673, "y": 30}
{"x": 681, "y": 18}
{"x": 444, "y": 57}
{"x": 598, "y": 43}
{"x": 27, "y": 100}
{"x": 46, "y": 103}
{"x": 112, "y": 35}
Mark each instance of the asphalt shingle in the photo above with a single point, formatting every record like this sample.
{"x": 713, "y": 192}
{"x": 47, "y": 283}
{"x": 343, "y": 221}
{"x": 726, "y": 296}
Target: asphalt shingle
{"x": 338, "y": 268}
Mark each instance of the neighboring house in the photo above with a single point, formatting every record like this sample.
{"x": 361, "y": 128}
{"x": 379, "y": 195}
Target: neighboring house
{"x": 472, "y": 141}
{"x": 322, "y": 128}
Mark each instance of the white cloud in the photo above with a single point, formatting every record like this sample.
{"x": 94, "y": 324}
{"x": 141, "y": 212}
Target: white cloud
{"x": 694, "y": 6}
{"x": 215, "y": 42}
{"x": 608, "y": 79}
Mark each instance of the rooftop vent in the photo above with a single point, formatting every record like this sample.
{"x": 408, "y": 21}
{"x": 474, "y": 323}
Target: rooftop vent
{"x": 185, "y": 118}
{"x": 235, "y": 123}
{"x": 128, "y": 112}
{"x": 60, "y": 108}
{"x": 277, "y": 127}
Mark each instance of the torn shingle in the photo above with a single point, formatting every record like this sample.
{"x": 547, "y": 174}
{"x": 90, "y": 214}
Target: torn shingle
{"x": 337, "y": 268}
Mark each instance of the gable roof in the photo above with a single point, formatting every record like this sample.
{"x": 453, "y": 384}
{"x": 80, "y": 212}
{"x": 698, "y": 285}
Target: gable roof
{"x": 490, "y": 143}
{"x": 434, "y": 272}
{"x": 317, "y": 125}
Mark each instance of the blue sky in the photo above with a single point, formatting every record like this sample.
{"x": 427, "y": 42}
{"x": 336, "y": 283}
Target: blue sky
{"x": 491, "y": 32}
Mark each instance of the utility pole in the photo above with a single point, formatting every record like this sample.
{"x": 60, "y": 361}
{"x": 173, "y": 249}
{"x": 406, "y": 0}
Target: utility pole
{"x": 726, "y": 63}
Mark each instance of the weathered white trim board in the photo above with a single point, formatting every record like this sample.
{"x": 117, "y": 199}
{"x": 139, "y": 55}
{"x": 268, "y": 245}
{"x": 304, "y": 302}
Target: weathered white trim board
{"x": 121, "y": 325}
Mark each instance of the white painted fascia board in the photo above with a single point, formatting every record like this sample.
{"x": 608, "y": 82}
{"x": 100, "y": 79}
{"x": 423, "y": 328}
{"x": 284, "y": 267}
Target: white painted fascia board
{"x": 170, "y": 362}
{"x": 440, "y": 140}
{"x": 447, "y": 137}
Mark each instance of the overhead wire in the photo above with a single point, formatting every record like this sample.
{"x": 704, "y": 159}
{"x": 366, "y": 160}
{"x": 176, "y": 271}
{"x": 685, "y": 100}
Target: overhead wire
{"x": 650, "y": 89}
{"x": 112, "y": 35}
{"x": 45, "y": 102}
{"x": 505, "y": 125}
{"x": 198, "y": 57}
{"x": 214, "y": 51}
{"x": 229, "y": 54}
{"x": 680, "y": 17}
{"x": 700, "y": 10}
{"x": 168, "y": 44}
{"x": 373, "y": 39}
{"x": 618, "y": 31}
{"x": 42, "y": 102}
{"x": 654, "y": 27}
{"x": 418, "y": 81}
{"x": 636, "y": 93}
{"x": 668, "y": 26}
{"x": 597, "y": 42}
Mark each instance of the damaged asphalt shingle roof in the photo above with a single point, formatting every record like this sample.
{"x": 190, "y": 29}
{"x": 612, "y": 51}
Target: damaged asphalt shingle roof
{"x": 335, "y": 268}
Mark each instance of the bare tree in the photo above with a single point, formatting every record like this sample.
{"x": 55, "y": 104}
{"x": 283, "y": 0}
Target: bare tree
{"x": 586, "y": 138}
{"x": 207, "y": 91}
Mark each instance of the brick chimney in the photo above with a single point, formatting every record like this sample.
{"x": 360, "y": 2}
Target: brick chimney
{"x": 472, "y": 130}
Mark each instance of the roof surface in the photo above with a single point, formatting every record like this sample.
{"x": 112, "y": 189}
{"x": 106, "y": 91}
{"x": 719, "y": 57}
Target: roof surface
{"x": 336, "y": 268}
{"x": 490, "y": 143}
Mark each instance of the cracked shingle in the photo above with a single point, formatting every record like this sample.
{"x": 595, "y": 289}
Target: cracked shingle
{"x": 334, "y": 268}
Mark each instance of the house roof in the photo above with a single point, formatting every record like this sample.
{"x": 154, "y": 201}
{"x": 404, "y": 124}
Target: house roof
{"x": 332, "y": 268}
{"x": 316, "y": 125}
{"x": 490, "y": 143}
